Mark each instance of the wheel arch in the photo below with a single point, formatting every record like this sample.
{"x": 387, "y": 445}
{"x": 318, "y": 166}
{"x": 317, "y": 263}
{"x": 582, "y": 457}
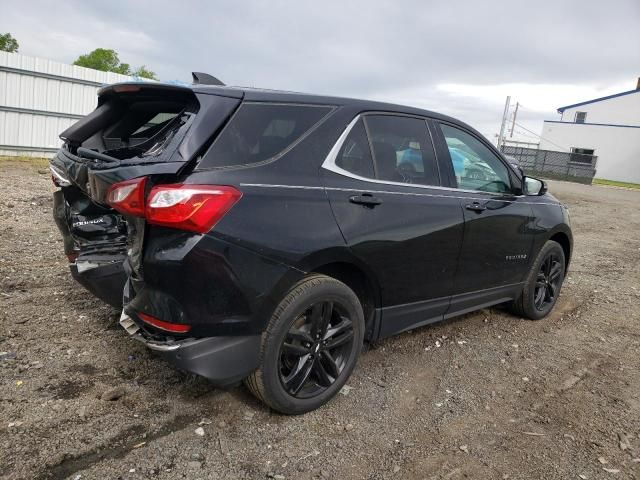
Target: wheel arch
{"x": 565, "y": 242}
{"x": 361, "y": 282}
{"x": 338, "y": 263}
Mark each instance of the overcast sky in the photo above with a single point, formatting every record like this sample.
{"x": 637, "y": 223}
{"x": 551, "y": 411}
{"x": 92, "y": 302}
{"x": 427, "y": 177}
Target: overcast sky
{"x": 457, "y": 57}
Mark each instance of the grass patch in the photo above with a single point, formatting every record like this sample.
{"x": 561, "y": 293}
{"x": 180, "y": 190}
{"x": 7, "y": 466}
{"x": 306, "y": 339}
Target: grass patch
{"x": 37, "y": 162}
{"x": 614, "y": 183}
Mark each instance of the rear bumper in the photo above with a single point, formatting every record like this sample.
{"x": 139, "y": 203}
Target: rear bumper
{"x": 106, "y": 280}
{"x": 223, "y": 361}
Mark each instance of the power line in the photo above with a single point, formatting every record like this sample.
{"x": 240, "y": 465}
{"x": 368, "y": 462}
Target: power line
{"x": 520, "y": 132}
{"x": 549, "y": 141}
{"x": 514, "y": 123}
{"x": 527, "y": 130}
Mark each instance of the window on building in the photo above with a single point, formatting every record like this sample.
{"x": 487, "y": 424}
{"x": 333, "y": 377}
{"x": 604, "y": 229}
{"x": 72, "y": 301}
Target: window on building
{"x": 581, "y": 117}
{"x": 582, "y": 155}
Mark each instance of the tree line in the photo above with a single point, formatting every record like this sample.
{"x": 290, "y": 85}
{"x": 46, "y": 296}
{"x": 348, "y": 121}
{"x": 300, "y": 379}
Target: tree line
{"x": 103, "y": 59}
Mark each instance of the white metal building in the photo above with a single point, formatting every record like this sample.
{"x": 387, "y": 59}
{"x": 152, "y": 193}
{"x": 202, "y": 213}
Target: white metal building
{"x": 40, "y": 98}
{"x": 608, "y": 127}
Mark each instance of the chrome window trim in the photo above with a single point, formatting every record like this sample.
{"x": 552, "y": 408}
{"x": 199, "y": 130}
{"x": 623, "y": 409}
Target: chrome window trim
{"x": 329, "y": 163}
{"x": 389, "y": 192}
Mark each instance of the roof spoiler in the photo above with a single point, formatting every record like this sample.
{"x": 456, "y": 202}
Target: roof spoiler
{"x": 200, "y": 78}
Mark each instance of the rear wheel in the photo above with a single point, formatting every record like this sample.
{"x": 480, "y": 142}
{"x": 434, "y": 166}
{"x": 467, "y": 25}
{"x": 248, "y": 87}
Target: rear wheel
{"x": 543, "y": 283}
{"x": 310, "y": 347}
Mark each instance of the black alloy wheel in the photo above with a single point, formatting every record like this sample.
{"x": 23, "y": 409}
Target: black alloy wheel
{"x": 548, "y": 282}
{"x": 310, "y": 347}
{"x": 315, "y": 349}
{"x": 542, "y": 286}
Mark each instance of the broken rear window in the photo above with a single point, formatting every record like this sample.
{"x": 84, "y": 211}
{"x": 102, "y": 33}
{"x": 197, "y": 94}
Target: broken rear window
{"x": 261, "y": 131}
{"x": 143, "y": 128}
{"x": 138, "y": 124}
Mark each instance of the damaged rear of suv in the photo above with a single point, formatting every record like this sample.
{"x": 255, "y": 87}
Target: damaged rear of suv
{"x": 136, "y": 130}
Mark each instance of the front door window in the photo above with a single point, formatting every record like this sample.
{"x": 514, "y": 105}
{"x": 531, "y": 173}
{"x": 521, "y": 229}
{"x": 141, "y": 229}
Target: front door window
{"x": 475, "y": 166}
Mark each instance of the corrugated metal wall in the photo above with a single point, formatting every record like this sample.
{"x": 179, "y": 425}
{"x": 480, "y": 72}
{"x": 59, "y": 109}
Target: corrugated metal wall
{"x": 39, "y": 98}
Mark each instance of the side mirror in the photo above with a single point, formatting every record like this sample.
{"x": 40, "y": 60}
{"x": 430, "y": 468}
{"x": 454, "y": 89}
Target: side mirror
{"x": 533, "y": 186}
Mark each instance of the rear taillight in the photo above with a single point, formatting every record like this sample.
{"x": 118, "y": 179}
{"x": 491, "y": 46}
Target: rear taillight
{"x": 196, "y": 208}
{"x": 162, "y": 325}
{"x": 128, "y": 197}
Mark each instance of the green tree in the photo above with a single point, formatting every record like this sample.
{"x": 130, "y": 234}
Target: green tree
{"x": 105, "y": 60}
{"x": 8, "y": 43}
{"x": 143, "y": 72}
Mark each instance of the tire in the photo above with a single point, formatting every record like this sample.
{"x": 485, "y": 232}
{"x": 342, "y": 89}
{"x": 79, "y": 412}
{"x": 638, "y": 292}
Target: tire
{"x": 543, "y": 283}
{"x": 317, "y": 309}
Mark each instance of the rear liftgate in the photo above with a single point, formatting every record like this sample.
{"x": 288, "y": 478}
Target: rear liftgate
{"x": 137, "y": 131}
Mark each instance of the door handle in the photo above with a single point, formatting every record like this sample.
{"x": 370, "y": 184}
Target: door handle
{"x": 476, "y": 207}
{"x": 365, "y": 199}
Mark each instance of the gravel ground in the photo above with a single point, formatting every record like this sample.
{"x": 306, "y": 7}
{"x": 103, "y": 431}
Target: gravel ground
{"x": 487, "y": 395}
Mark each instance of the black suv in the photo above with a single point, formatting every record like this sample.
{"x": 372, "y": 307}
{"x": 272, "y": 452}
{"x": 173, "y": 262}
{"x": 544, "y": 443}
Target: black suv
{"x": 264, "y": 236}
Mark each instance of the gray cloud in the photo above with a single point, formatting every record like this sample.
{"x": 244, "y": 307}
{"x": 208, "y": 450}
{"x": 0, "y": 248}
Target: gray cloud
{"x": 394, "y": 50}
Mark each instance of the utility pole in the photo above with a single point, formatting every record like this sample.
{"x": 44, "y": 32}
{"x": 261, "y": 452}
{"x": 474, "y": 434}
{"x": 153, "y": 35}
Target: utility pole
{"x": 513, "y": 123}
{"x": 504, "y": 120}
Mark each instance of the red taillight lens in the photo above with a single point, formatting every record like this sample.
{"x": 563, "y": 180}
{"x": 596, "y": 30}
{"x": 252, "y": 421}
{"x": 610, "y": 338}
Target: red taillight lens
{"x": 162, "y": 325}
{"x": 128, "y": 197}
{"x": 196, "y": 208}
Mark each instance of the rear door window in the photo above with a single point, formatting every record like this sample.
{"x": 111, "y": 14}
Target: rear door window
{"x": 261, "y": 131}
{"x": 402, "y": 149}
{"x": 355, "y": 154}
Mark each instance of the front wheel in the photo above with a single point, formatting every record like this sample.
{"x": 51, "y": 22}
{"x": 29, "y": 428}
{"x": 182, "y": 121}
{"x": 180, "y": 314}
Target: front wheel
{"x": 310, "y": 346}
{"x": 543, "y": 283}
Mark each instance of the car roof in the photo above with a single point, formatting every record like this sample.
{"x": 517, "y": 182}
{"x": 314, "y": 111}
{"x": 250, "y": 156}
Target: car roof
{"x": 266, "y": 95}
{"x": 282, "y": 96}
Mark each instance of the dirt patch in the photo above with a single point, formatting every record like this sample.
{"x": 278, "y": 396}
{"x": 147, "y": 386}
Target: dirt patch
{"x": 66, "y": 389}
{"x": 487, "y": 395}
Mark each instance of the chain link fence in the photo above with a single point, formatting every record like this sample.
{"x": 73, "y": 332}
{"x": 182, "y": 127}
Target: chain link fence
{"x": 573, "y": 167}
